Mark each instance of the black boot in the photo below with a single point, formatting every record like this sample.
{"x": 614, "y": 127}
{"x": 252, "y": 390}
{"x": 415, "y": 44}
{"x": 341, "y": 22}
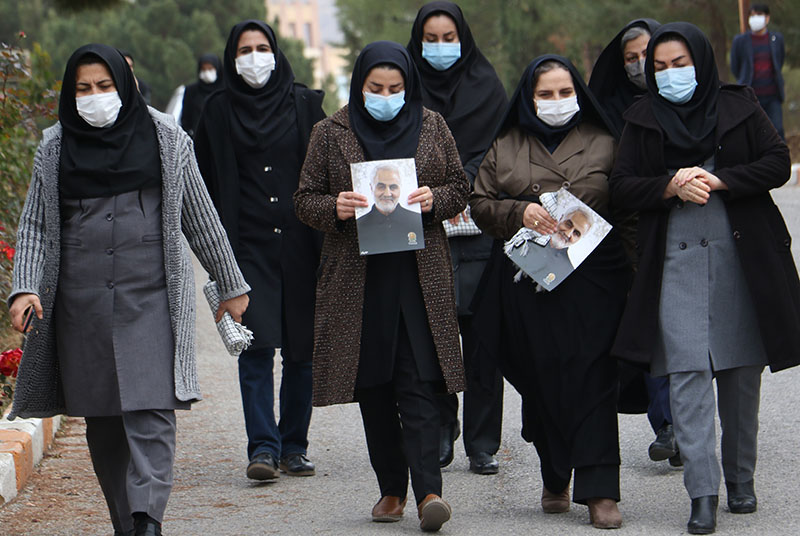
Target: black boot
{"x": 741, "y": 497}
{"x": 145, "y": 525}
{"x": 664, "y": 446}
{"x": 704, "y": 515}
{"x": 447, "y": 437}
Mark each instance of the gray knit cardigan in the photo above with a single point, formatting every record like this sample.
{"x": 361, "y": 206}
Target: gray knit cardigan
{"x": 186, "y": 208}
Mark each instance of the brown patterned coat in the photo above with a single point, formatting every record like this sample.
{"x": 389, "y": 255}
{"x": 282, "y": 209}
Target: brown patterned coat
{"x": 340, "y": 289}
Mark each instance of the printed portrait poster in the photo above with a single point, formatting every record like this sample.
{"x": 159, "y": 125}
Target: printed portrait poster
{"x": 549, "y": 259}
{"x": 389, "y": 223}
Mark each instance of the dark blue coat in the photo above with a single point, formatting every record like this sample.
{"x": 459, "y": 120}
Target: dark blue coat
{"x": 742, "y": 59}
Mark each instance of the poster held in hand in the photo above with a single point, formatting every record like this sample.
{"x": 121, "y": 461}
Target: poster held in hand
{"x": 389, "y": 223}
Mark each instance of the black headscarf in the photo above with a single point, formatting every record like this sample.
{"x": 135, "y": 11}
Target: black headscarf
{"x": 469, "y": 94}
{"x": 101, "y": 162}
{"x": 203, "y": 87}
{"x": 521, "y": 111}
{"x": 688, "y": 128}
{"x": 399, "y": 137}
{"x": 259, "y": 116}
{"x": 609, "y": 81}
{"x": 195, "y": 94}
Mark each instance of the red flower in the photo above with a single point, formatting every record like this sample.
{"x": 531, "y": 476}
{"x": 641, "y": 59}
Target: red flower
{"x": 22, "y": 35}
{"x": 9, "y": 252}
{"x": 9, "y": 362}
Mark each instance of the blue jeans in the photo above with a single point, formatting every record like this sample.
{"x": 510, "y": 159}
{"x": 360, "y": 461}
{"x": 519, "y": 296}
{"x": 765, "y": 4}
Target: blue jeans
{"x": 772, "y": 106}
{"x": 290, "y": 435}
{"x": 658, "y": 410}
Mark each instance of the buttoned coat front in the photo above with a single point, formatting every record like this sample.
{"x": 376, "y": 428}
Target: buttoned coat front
{"x": 750, "y": 159}
{"x": 342, "y": 271}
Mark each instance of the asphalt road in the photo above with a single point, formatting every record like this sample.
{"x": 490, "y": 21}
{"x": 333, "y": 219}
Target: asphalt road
{"x": 213, "y": 496}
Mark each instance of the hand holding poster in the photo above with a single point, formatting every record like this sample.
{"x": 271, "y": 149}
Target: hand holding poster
{"x": 549, "y": 259}
{"x": 389, "y": 224}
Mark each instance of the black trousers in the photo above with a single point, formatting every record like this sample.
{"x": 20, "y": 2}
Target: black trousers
{"x": 483, "y": 400}
{"x": 401, "y": 423}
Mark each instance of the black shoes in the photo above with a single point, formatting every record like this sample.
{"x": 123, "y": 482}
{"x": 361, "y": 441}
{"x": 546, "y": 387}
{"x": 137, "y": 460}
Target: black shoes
{"x": 447, "y": 437}
{"x": 144, "y": 525}
{"x": 741, "y": 498}
{"x": 297, "y": 465}
{"x": 263, "y": 467}
{"x": 664, "y": 446}
{"x": 483, "y": 463}
{"x": 704, "y": 515}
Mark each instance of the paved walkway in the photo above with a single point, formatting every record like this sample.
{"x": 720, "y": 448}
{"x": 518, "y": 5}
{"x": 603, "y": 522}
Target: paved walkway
{"x": 212, "y": 495}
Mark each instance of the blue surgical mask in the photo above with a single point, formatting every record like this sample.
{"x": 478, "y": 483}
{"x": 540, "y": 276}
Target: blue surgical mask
{"x": 677, "y": 85}
{"x": 384, "y": 108}
{"x": 441, "y": 56}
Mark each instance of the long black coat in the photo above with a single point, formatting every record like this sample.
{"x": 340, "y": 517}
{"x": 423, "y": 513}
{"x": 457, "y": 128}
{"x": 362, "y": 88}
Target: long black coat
{"x": 751, "y": 159}
{"x": 216, "y": 159}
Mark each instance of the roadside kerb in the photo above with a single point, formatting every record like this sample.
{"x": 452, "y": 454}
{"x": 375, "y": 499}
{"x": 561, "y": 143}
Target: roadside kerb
{"x": 23, "y": 443}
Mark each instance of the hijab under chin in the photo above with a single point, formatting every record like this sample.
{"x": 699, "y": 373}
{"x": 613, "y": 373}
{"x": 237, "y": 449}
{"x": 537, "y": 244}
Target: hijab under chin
{"x": 522, "y": 112}
{"x": 101, "y": 162}
{"x": 469, "y": 94}
{"x": 610, "y": 83}
{"x": 399, "y": 137}
{"x": 259, "y": 116}
{"x": 204, "y": 88}
{"x": 688, "y": 128}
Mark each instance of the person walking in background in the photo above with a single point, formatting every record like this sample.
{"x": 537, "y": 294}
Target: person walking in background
{"x": 144, "y": 87}
{"x": 554, "y": 346}
{"x": 209, "y": 80}
{"x": 386, "y": 330}
{"x": 617, "y": 80}
{"x": 756, "y": 61}
{"x": 461, "y": 84}
{"x": 716, "y": 295}
{"x": 101, "y": 259}
{"x": 250, "y": 145}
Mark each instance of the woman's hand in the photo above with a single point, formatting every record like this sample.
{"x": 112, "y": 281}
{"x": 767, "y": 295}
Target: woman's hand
{"x": 20, "y": 305}
{"x": 235, "y": 306}
{"x": 462, "y": 216}
{"x": 713, "y": 182}
{"x": 346, "y": 204}
{"x": 688, "y": 185}
{"x": 423, "y": 196}
{"x": 538, "y": 219}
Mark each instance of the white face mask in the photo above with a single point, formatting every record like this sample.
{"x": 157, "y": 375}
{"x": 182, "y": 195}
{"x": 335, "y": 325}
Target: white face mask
{"x": 209, "y": 76}
{"x": 557, "y": 113}
{"x": 99, "y": 110}
{"x": 757, "y": 22}
{"x": 256, "y": 68}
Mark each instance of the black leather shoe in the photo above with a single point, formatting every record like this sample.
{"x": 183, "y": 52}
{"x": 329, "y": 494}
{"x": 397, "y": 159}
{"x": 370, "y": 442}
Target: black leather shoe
{"x": 129, "y": 533}
{"x": 664, "y": 445}
{"x": 675, "y": 461}
{"x": 741, "y": 498}
{"x": 447, "y": 437}
{"x": 263, "y": 467}
{"x": 146, "y": 526}
{"x": 704, "y": 515}
{"x": 483, "y": 463}
{"x": 297, "y": 465}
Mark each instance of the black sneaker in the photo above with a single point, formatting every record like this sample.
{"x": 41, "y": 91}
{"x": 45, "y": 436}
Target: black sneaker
{"x": 297, "y": 465}
{"x": 263, "y": 467}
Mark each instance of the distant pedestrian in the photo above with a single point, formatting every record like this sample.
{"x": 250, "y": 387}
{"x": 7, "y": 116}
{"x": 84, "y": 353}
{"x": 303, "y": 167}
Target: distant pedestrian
{"x": 144, "y": 87}
{"x": 250, "y": 145}
{"x": 386, "y": 331}
{"x": 101, "y": 258}
{"x": 756, "y": 61}
{"x": 209, "y": 80}
{"x": 716, "y": 295}
{"x": 461, "y": 84}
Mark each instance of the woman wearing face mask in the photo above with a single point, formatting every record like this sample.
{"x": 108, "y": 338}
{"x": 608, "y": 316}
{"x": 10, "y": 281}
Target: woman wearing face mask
{"x": 716, "y": 294}
{"x": 554, "y": 346}
{"x": 461, "y": 84}
{"x": 250, "y": 145}
{"x": 99, "y": 241}
{"x": 386, "y": 331}
{"x": 209, "y": 80}
{"x": 616, "y": 84}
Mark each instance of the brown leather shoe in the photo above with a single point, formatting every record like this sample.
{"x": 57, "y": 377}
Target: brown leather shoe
{"x": 389, "y": 509}
{"x": 555, "y": 503}
{"x": 433, "y": 513}
{"x": 604, "y": 514}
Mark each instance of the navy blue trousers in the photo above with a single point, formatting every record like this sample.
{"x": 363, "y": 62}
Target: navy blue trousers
{"x": 264, "y": 433}
{"x": 772, "y": 106}
{"x": 658, "y": 411}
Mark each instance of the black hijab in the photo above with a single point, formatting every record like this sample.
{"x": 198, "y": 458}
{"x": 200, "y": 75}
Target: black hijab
{"x": 521, "y": 111}
{"x": 609, "y": 81}
{"x": 469, "y": 94}
{"x": 204, "y": 88}
{"x": 688, "y": 128}
{"x": 259, "y": 116}
{"x": 101, "y": 162}
{"x": 399, "y": 137}
{"x": 195, "y": 94}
